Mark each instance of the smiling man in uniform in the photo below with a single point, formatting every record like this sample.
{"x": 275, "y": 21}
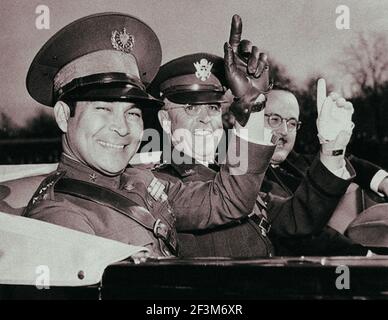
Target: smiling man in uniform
{"x": 93, "y": 73}
{"x": 194, "y": 89}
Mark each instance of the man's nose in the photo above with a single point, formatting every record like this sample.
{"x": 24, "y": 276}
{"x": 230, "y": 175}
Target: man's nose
{"x": 283, "y": 129}
{"x": 203, "y": 115}
{"x": 120, "y": 125}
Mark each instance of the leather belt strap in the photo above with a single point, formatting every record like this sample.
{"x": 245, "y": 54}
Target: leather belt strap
{"x": 120, "y": 203}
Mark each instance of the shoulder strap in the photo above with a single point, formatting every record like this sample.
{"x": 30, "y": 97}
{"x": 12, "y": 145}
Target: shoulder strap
{"x": 43, "y": 189}
{"x": 120, "y": 203}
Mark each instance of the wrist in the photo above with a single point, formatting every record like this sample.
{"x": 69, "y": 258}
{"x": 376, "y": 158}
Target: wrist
{"x": 251, "y": 102}
{"x": 333, "y": 152}
{"x": 332, "y": 148}
{"x": 332, "y": 162}
{"x": 255, "y": 127}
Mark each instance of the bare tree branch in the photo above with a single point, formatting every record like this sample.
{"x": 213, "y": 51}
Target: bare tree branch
{"x": 366, "y": 61}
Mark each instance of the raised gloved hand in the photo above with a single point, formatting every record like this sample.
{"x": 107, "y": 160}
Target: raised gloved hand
{"x": 334, "y": 121}
{"x": 247, "y": 73}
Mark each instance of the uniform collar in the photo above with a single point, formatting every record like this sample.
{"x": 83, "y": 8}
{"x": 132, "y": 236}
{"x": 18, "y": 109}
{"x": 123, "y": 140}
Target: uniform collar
{"x": 79, "y": 171}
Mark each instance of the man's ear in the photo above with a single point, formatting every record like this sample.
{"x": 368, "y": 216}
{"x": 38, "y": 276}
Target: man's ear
{"x": 62, "y": 115}
{"x": 165, "y": 121}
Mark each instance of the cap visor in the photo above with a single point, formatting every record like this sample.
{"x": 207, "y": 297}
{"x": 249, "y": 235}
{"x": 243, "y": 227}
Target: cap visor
{"x": 197, "y": 97}
{"x": 114, "y": 93}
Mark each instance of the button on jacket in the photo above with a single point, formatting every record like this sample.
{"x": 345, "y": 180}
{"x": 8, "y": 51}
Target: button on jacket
{"x": 199, "y": 205}
{"x": 302, "y": 215}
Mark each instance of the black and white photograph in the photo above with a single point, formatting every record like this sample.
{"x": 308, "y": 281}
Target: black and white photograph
{"x": 181, "y": 150}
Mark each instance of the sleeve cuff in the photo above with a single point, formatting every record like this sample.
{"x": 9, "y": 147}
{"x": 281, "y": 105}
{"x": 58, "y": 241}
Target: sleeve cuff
{"x": 342, "y": 173}
{"x": 246, "y": 157}
{"x": 326, "y": 181}
{"x": 376, "y": 180}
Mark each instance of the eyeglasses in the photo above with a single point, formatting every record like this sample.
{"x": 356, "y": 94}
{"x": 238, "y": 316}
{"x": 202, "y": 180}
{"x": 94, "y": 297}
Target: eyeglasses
{"x": 195, "y": 109}
{"x": 275, "y": 121}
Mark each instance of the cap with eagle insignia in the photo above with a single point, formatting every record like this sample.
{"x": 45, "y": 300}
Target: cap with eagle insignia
{"x": 194, "y": 79}
{"x": 106, "y": 57}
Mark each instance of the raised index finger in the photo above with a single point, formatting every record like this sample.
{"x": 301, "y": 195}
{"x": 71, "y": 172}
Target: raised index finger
{"x": 321, "y": 94}
{"x": 235, "y": 32}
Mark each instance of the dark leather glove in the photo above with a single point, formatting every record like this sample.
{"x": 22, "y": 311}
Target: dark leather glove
{"x": 247, "y": 73}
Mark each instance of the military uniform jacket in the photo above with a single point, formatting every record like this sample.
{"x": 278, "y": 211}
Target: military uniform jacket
{"x": 296, "y": 216}
{"x": 226, "y": 198}
{"x": 285, "y": 180}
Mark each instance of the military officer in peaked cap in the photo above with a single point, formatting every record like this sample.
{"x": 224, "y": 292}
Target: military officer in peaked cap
{"x": 194, "y": 88}
{"x": 93, "y": 72}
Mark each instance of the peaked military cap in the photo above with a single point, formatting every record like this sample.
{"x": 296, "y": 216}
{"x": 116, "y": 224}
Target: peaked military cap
{"x": 106, "y": 56}
{"x": 195, "y": 79}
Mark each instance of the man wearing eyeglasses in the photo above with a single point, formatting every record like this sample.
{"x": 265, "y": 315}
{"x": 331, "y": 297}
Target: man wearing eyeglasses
{"x": 97, "y": 88}
{"x": 288, "y": 169}
{"x": 193, "y": 121}
{"x": 282, "y": 116}
{"x": 193, "y": 88}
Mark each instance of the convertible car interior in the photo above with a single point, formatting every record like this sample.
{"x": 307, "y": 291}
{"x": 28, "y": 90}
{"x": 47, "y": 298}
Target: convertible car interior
{"x": 36, "y": 255}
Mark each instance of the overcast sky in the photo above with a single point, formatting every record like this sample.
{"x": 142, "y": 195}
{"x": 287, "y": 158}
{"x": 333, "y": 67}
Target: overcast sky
{"x": 300, "y": 34}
